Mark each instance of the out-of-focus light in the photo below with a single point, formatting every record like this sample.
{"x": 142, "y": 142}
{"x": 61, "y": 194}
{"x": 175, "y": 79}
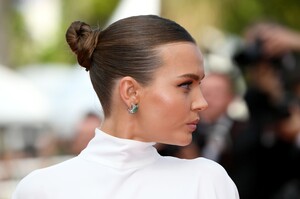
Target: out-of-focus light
{"x": 127, "y": 8}
{"x": 42, "y": 19}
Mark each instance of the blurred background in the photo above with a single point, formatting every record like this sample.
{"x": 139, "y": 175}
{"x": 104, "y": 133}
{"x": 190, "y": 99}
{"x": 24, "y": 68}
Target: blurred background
{"x": 48, "y": 110}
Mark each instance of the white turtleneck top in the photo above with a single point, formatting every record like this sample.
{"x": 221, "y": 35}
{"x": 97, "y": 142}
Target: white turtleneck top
{"x": 115, "y": 168}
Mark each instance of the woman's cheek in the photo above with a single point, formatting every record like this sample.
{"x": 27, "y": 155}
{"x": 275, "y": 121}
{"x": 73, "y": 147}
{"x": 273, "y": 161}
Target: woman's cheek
{"x": 165, "y": 103}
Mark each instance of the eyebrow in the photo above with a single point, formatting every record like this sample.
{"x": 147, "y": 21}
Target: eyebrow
{"x": 192, "y": 76}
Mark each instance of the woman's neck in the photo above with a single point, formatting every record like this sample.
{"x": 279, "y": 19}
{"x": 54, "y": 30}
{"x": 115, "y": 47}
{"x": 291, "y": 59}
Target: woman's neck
{"x": 121, "y": 127}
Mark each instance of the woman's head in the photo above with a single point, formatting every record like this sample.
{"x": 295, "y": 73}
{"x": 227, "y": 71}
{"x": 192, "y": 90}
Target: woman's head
{"x": 128, "y": 47}
{"x": 147, "y": 61}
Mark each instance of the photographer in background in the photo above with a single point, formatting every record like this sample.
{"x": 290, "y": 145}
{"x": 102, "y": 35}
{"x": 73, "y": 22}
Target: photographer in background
{"x": 270, "y": 63}
{"x": 277, "y": 40}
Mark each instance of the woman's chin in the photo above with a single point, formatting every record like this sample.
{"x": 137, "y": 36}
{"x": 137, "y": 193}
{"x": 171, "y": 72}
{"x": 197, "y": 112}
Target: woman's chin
{"x": 183, "y": 141}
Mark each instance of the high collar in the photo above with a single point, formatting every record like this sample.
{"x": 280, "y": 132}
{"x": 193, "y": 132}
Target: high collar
{"x": 119, "y": 153}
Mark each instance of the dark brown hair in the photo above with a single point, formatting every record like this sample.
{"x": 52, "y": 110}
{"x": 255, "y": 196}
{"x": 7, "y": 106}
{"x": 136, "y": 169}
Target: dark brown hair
{"x": 125, "y": 48}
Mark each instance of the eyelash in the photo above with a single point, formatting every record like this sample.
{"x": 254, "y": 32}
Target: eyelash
{"x": 186, "y": 85}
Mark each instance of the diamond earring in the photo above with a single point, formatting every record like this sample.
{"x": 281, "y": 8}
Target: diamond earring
{"x": 133, "y": 108}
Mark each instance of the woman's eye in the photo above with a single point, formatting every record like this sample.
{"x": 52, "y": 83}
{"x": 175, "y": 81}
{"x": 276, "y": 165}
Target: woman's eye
{"x": 186, "y": 85}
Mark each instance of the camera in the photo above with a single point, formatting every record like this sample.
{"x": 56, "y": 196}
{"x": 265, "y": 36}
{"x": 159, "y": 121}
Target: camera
{"x": 285, "y": 64}
{"x": 249, "y": 54}
{"x": 253, "y": 53}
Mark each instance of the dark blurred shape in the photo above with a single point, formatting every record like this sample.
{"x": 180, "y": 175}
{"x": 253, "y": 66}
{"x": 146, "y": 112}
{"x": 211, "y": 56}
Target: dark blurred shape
{"x": 85, "y": 131}
{"x": 249, "y": 54}
{"x": 270, "y": 63}
{"x": 252, "y": 53}
{"x": 285, "y": 64}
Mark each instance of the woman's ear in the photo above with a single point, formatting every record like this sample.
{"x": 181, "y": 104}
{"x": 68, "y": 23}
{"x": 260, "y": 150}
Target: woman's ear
{"x": 129, "y": 90}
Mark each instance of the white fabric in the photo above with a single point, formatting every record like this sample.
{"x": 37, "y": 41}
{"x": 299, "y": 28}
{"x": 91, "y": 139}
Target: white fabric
{"x": 115, "y": 168}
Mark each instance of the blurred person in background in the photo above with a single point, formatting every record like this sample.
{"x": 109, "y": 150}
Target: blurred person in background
{"x": 85, "y": 131}
{"x": 223, "y": 136}
{"x": 270, "y": 61}
{"x": 215, "y": 126}
{"x": 212, "y": 134}
{"x": 146, "y": 71}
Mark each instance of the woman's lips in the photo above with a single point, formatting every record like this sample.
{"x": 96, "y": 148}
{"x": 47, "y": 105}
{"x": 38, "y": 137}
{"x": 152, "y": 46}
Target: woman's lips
{"x": 193, "y": 125}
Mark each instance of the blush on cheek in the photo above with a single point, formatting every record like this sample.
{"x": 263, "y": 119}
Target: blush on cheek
{"x": 170, "y": 110}
{"x": 164, "y": 104}
{"x": 160, "y": 112}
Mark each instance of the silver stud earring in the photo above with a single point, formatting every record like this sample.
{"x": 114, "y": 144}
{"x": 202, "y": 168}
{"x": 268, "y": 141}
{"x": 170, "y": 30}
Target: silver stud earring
{"x": 133, "y": 108}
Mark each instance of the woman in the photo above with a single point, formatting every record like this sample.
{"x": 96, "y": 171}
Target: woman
{"x": 146, "y": 71}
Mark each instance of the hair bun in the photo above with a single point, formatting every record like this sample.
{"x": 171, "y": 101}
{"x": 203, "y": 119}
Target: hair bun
{"x": 82, "y": 41}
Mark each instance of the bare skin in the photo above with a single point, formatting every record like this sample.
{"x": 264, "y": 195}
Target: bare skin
{"x": 168, "y": 107}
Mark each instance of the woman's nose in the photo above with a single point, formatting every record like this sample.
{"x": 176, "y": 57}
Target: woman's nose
{"x": 200, "y": 103}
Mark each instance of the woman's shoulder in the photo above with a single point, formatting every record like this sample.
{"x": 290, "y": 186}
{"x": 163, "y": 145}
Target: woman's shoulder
{"x": 203, "y": 163}
{"x": 214, "y": 174}
{"x": 199, "y": 167}
{"x": 29, "y": 185}
{"x": 36, "y": 181}
{"x": 207, "y": 174}
{"x": 208, "y": 165}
